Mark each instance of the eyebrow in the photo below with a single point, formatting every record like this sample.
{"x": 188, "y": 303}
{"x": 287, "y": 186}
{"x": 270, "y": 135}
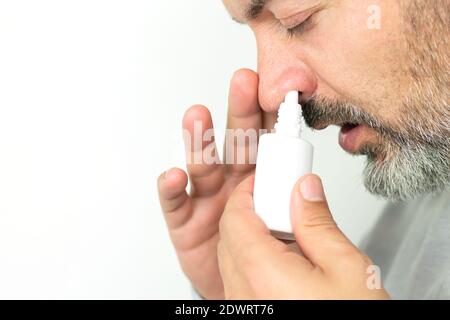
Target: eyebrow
{"x": 252, "y": 12}
{"x": 255, "y": 8}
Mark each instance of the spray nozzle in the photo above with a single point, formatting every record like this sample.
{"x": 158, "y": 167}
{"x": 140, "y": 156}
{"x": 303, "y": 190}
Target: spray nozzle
{"x": 291, "y": 97}
{"x": 290, "y": 117}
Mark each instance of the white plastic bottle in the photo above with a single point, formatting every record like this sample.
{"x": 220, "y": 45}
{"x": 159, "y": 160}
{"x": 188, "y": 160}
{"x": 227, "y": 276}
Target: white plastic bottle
{"x": 283, "y": 157}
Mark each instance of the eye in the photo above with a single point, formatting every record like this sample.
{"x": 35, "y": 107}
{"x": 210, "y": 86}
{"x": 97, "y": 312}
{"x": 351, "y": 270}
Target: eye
{"x": 300, "y": 28}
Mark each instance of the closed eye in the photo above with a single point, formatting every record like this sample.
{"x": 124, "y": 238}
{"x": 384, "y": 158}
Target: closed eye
{"x": 300, "y": 28}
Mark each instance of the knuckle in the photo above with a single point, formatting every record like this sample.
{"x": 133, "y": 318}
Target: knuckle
{"x": 319, "y": 218}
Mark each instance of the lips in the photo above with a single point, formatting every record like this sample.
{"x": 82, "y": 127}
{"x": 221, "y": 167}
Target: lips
{"x": 355, "y": 133}
{"x": 351, "y": 137}
{"x": 346, "y": 127}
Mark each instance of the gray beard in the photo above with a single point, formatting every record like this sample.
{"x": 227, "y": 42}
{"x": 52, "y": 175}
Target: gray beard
{"x": 406, "y": 171}
{"x": 406, "y": 164}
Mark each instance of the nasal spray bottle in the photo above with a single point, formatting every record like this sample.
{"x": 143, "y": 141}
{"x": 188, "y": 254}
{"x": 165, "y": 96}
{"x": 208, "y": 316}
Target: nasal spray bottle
{"x": 283, "y": 157}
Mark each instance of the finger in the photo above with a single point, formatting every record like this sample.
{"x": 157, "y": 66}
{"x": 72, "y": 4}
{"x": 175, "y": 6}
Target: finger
{"x": 316, "y": 232}
{"x": 244, "y": 121}
{"x": 203, "y": 164}
{"x": 269, "y": 120}
{"x": 239, "y": 223}
{"x": 175, "y": 203}
{"x": 247, "y": 238}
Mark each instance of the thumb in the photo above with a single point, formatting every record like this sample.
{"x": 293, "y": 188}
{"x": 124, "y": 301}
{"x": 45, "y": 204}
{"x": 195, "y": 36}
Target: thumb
{"x": 316, "y": 232}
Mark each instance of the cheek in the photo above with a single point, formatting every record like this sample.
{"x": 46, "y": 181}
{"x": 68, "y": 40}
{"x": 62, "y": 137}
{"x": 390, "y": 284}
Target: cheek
{"x": 354, "y": 62}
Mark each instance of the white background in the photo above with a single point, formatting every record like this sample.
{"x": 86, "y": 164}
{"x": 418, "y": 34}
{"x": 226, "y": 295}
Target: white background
{"x": 92, "y": 93}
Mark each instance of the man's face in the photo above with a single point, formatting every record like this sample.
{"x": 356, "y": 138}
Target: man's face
{"x": 378, "y": 68}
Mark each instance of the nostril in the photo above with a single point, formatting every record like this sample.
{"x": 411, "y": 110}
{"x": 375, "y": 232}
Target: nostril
{"x": 300, "y": 97}
{"x": 304, "y": 97}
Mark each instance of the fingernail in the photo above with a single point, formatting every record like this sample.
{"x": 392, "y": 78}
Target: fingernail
{"x": 311, "y": 189}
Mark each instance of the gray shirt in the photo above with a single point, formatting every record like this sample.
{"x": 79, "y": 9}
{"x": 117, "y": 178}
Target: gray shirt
{"x": 411, "y": 245}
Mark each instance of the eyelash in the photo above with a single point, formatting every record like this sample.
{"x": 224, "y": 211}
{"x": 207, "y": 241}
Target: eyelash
{"x": 300, "y": 28}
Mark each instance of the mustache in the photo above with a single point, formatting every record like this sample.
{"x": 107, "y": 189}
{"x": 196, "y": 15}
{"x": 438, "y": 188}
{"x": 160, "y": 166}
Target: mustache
{"x": 320, "y": 112}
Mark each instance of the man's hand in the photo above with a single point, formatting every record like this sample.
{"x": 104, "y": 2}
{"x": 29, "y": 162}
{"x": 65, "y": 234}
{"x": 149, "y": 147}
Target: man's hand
{"x": 255, "y": 265}
{"x": 193, "y": 219}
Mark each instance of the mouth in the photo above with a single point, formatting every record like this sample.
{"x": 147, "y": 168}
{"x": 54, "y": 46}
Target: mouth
{"x": 355, "y": 133}
{"x": 347, "y": 127}
{"x": 352, "y": 136}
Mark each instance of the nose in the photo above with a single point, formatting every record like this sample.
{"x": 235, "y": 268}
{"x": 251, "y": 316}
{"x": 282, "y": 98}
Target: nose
{"x": 281, "y": 69}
